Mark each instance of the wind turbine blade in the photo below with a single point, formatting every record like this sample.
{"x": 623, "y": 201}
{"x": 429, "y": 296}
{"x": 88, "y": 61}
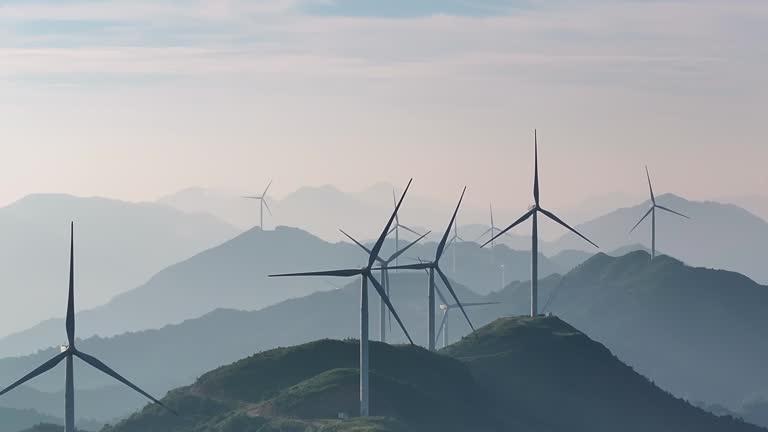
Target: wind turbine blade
{"x": 672, "y": 211}
{"x": 71, "y": 297}
{"x": 536, "y": 167}
{"x": 441, "y": 246}
{"x": 409, "y": 230}
{"x": 489, "y": 230}
{"x": 251, "y": 197}
{"x": 641, "y": 219}
{"x": 443, "y": 300}
{"x": 522, "y": 219}
{"x": 368, "y": 251}
{"x": 653, "y": 197}
{"x": 420, "y": 266}
{"x": 380, "y": 242}
{"x": 442, "y": 326}
{"x": 384, "y": 297}
{"x": 509, "y": 235}
{"x": 336, "y": 273}
{"x": 453, "y": 294}
{"x": 401, "y": 251}
{"x": 264, "y": 195}
{"x": 45, "y": 367}
{"x": 96, "y": 363}
{"x": 394, "y": 204}
{"x": 558, "y": 220}
{"x": 267, "y": 206}
{"x": 480, "y": 304}
{"x": 490, "y": 206}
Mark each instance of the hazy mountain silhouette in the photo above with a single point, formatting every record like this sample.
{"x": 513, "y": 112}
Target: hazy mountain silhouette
{"x": 234, "y": 275}
{"x": 756, "y": 204}
{"x": 543, "y": 374}
{"x": 510, "y": 375}
{"x": 569, "y": 259}
{"x": 13, "y": 420}
{"x": 717, "y": 235}
{"x": 290, "y": 389}
{"x": 680, "y": 326}
{"x": 119, "y": 246}
{"x": 223, "y": 336}
{"x": 321, "y": 210}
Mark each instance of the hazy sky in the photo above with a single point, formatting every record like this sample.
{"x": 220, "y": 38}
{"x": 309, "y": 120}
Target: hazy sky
{"x": 135, "y": 99}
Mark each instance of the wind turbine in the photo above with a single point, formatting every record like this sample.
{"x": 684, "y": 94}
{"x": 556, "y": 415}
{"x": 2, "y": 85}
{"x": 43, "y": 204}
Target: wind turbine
{"x": 447, "y": 308}
{"x": 434, "y": 266}
{"x": 494, "y": 233}
{"x": 533, "y": 211}
{"x": 384, "y": 263}
{"x": 652, "y": 211}
{"x": 69, "y": 352}
{"x": 262, "y": 204}
{"x": 455, "y": 238}
{"x": 397, "y": 226}
{"x": 366, "y": 275}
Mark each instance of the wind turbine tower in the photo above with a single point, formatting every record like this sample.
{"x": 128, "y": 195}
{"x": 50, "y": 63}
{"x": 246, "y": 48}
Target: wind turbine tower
{"x": 494, "y": 233}
{"x": 69, "y": 352}
{"x": 396, "y": 228}
{"x": 365, "y": 274}
{"x": 533, "y": 214}
{"x": 262, "y": 204}
{"x": 432, "y": 267}
{"x": 652, "y": 211}
{"x": 384, "y": 263}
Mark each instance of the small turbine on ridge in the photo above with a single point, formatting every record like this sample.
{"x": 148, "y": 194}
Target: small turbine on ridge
{"x": 652, "y": 211}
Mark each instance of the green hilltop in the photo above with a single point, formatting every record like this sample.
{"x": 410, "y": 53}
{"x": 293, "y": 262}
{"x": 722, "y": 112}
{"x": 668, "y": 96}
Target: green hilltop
{"x": 514, "y": 374}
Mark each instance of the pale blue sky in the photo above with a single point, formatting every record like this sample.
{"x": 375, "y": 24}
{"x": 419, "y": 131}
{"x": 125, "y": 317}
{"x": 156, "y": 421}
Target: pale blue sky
{"x": 135, "y": 99}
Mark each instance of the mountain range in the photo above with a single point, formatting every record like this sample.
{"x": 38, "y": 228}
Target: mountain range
{"x": 234, "y": 275}
{"x": 708, "y": 239}
{"x": 513, "y": 374}
{"x": 678, "y": 325}
{"x": 119, "y": 246}
{"x": 721, "y": 236}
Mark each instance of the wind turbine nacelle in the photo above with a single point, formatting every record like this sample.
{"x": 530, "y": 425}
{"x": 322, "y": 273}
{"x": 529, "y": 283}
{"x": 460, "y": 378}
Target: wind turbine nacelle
{"x": 444, "y": 307}
{"x": 63, "y": 348}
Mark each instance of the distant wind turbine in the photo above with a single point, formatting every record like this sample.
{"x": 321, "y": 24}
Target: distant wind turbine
{"x": 447, "y": 308}
{"x": 533, "y": 212}
{"x": 262, "y": 204}
{"x": 384, "y": 263}
{"x": 452, "y": 242}
{"x": 434, "y": 266}
{"x": 493, "y": 232}
{"x": 397, "y": 226}
{"x": 652, "y": 211}
{"x": 68, "y": 353}
{"x": 366, "y": 275}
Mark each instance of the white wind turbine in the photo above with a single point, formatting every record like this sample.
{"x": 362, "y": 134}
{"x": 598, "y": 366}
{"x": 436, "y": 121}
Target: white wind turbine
{"x": 396, "y": 228}
{"x": 366, "y": 275}
{"x": 384, "y": 263}
{"x": 69, "y": 352}
{"x": 262, "y": 204}
{"x": 652, "y": 211}
{"x": 533, "y": 212}
{"x": 434, "y": 267}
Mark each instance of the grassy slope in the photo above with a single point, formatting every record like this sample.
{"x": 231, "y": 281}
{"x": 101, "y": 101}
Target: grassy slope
{"x": 537, "y": 375}
{"x": 305, "y": 387}
{"x": 543, "y": 372}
